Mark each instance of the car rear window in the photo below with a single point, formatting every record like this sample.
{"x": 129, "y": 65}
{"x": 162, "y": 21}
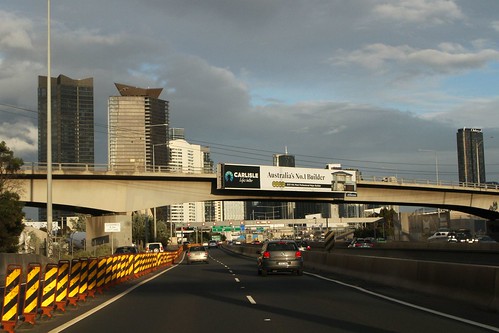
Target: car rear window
{"x": 281, "y": 247}
{"x": 197, "y": 248}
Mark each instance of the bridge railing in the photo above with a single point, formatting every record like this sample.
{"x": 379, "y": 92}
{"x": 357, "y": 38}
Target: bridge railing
{"x": 401, "y": 181}
{"x": 39, "y": 167}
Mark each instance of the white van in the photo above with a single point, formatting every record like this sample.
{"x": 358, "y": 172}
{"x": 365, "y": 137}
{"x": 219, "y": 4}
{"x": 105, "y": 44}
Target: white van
{"x": 439, "y": 236}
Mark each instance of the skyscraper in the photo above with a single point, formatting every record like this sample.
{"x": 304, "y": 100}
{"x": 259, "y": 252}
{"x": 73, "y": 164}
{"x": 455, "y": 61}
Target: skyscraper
{"x": 138, "y": 129}
{"x": 72, "y": 125}
{"x": 72, "y": 120}
{"x": 470, "y": 155}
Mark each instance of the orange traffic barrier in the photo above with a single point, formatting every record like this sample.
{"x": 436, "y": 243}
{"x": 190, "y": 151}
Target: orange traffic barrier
{"x": 61, "y": 298}
{"x": 49, "y": 289}
{"x": 11, "y": 297}
{"x": 32, "y": 293}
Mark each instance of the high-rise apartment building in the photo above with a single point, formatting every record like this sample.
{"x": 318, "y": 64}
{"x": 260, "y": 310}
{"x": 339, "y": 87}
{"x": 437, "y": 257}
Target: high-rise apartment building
{"x": 72, "y": 125}
{"x": 138, "y": 129}
{"x": 190, "y": 158}
{"x": 72, "y": 120}
{"x": 470, "y": 155}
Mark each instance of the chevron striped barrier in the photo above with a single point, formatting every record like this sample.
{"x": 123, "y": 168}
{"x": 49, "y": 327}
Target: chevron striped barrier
{"x": 101, "y": 274}
{"x": 11, "y": 297}
{"x": 49, "y": 288}
{"x": 74, "y": 281}
{"x": 61, "y": 298}
{"x": 92, "y": 276}
{"x": 83, "y": 285}
{"x": 32, "y": 293}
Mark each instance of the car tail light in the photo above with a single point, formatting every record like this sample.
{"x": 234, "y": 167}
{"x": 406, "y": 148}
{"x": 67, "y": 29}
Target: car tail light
{"x": 308, "y": 248}
{"x": 266, "y": 254}
{"x": 298, "y": 254}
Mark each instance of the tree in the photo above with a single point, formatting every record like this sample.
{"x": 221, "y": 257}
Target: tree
{"x": 11, "y": 213}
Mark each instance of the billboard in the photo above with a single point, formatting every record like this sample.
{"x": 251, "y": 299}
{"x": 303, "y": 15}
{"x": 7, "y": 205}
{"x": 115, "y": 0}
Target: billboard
{"x": 275, "y": 178}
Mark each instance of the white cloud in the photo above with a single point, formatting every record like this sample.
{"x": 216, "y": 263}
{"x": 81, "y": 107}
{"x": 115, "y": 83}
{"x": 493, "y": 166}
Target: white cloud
{"x": 449, "y": 58}
{"x": 419, "y": 11}
{"x": 21, "y": 138}
{"x": 14, "y": 32}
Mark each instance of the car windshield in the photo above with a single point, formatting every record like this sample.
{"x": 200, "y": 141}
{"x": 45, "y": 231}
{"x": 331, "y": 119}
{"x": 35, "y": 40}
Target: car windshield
{"x": 281, "y": 247}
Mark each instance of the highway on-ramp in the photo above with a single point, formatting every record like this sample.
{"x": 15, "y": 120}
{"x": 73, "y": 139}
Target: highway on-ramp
{"x": 227, "y": 295}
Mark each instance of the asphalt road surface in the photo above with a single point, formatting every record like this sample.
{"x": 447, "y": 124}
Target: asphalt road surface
{"x": 227, "y": 295}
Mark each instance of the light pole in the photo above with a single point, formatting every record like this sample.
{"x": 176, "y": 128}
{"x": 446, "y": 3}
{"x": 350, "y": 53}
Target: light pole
{"x": 436, "y": 174}
{"x": 49, "y": 139}
{"x": 436, "y": 160}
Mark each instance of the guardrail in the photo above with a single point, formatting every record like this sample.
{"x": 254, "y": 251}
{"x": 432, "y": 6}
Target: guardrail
{"x": 41, "y": 168}
{"x": 68, "y": 282}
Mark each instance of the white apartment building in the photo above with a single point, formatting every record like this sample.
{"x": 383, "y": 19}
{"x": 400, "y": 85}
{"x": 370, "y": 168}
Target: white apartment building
{"x": 188, "y": 158}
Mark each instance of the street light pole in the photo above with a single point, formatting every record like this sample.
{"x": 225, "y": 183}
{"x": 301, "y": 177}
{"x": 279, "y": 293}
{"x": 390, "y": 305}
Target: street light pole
{"x": 49, "y": 139}
{"x": 436, "y": 161}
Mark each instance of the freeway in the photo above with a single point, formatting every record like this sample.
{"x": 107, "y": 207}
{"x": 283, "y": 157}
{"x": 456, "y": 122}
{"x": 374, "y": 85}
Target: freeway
{"x": 227, "y": 295}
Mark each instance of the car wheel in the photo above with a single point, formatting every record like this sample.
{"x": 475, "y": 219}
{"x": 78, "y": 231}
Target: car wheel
{"x": 264, "y": 272}
{"x": 299, "y": 272}
{"x": 259, "y": 271}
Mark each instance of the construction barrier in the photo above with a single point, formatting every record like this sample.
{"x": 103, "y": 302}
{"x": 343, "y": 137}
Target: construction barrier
{"x": 74, "y": 281}
{"x": 11, "y": 297}
{"x": 49, "y": 288}
{"x": 92, "y": 276}
{"x": 32, "y": 292}
{"x": 68, "y": 282}
{"x": 83, "y": 286}
{"x": 61, "y": 298}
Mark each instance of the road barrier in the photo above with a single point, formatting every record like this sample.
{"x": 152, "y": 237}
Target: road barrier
{"x": 70, "y": 282}
{"x": 31, "y": 295}
{"x": 62, "y": 285}
{"x": 49, "y": 288}
{"x": 11, "y": 297}
{"x": 474, "y": 284}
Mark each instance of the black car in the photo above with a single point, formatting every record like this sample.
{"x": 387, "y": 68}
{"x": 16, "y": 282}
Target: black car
{"x": 126, "y": 250}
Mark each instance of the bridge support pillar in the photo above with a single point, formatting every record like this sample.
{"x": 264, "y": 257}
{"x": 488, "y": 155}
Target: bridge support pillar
{"x": 96, "y": 235}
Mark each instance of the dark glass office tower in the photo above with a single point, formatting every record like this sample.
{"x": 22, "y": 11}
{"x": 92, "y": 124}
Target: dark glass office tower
{"x": 72, "y": 125}
{"x": 470, "y": 156}
{"x": 72, "y": 120}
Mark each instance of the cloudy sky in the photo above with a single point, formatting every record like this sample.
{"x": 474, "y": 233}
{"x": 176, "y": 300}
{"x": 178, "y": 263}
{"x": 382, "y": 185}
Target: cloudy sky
{"x": 381, "y": 86}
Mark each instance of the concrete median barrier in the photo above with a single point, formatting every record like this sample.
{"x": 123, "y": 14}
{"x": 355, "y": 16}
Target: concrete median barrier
{"x": 476, "y": 284}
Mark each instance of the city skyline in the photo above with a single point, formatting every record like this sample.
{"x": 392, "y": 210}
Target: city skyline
{"x": 364, "y": 84}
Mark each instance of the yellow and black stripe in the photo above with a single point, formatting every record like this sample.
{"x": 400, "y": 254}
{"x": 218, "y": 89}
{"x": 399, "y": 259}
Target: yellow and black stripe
{"x": 61, "y": 298}
{"x": 74, "y": 281}
{"x": 49, "y": 288}
{"x": 83, "y": 287}
{"x": 32, "y": 293}
{"x": 93, "y": 264}
{"x": 11, "y": 295}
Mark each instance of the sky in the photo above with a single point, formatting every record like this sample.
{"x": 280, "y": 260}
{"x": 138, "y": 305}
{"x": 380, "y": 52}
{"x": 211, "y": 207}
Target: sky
{"x": 380, "y": 86}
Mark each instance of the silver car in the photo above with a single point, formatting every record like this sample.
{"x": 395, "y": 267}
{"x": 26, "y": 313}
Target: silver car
{"x": 280, "y": 256}
{"x": 197, "y": 254}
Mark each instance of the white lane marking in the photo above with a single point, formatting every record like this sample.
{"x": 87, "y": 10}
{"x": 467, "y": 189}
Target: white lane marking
{"x": 414, "y": 306}
{"x": 250, "y": 299}
{"x": 103, "y": 305}
{"x": 237, "y": 280}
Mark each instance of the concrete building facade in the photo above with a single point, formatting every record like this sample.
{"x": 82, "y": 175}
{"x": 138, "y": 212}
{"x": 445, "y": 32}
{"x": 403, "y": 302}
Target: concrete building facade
{"x": 138, "y": 129}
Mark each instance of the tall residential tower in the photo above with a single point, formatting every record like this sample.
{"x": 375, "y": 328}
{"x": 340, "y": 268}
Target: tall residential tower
{"x": 138, "y": 129}
{"x": 470, "y": 155}
{"x": 72, "y": 120}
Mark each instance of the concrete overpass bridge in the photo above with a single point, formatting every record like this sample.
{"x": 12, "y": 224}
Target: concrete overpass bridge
{"x": 99, "y": 190}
